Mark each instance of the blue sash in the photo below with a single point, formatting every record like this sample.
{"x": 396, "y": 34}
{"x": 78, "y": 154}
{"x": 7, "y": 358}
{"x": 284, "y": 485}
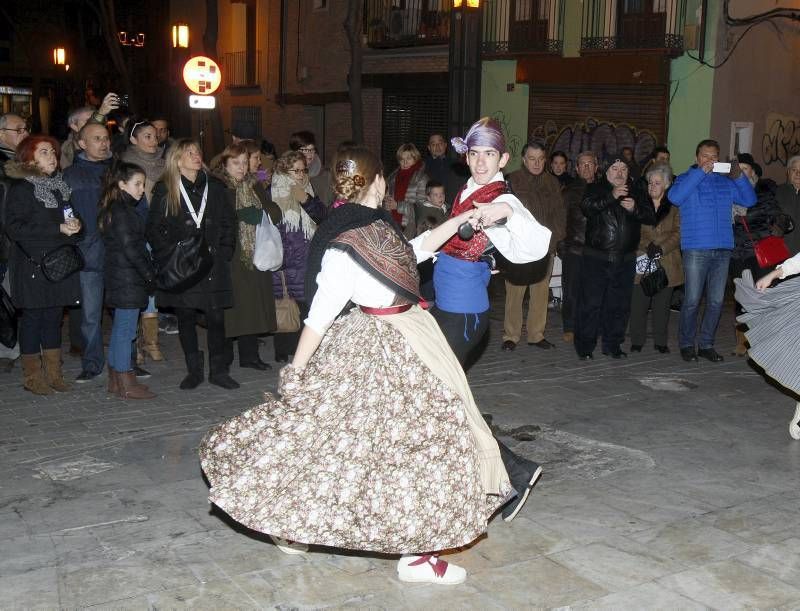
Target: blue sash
{"x": 461, "y": 285}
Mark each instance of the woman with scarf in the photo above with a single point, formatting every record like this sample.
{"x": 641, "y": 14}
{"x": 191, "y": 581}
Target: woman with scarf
{"x": 464, "y": 266}
{"x": 406, "y": 187}
{"x": 39, "y": 219}
{"x": 353, "y": 455}
{"x": 188, "y": 201}
{"x": 253, "y": 311}
{"x": 301, "y": 210}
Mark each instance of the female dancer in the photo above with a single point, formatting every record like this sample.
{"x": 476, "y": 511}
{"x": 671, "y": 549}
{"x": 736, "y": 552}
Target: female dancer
{"x": 462, "y": 271}
{"x": 771, "y": 315}
{"x": 376, "y": 443}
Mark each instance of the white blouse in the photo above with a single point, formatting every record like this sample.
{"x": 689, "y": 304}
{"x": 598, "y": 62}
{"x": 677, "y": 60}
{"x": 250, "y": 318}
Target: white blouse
{"x": 790, "y": 267}
{"x": 521, "y": 240}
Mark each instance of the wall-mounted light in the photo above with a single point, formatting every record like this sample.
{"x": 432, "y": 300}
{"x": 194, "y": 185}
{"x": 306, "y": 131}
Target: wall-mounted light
{"x": 59, "y": 56}
{"x": 470, "y": 3}
{"x": 180, "y": 36}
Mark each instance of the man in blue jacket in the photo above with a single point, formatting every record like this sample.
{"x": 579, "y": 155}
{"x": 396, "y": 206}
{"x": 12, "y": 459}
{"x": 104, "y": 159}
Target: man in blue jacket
{"x": 706, "y": 201}
{"x": 86, "y": 177}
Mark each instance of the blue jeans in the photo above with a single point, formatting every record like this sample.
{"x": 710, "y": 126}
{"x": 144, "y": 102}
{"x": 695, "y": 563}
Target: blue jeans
{"x": 92, "y": 321}
{"x": 704, "y": 269}
{"x": 123, "y": 332}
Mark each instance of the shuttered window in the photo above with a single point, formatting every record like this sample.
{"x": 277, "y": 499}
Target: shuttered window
{"x": 607, "y": 117}
{"x": 246, "y": 122}
{"x": 411, "y": 117}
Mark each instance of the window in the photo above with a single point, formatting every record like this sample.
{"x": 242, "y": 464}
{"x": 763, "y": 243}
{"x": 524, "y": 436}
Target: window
{"x": 411, "y": 117}
{"x": 246, "y": 122}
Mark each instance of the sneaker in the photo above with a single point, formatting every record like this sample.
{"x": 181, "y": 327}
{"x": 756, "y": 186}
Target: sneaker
{"x": 85, "y": 376}
{"x": 429, "y": 569}
{"x": 688, "y": 354}
{"x": 289, "y": 547}
{"x": 140, "y": 373}
{"x": 794, "y": 425}
{"x": 512, "y": 508}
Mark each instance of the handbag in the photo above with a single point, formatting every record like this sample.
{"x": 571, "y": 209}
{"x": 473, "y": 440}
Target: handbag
{"x": 769, "y": 251}
{"x": 654, "y": 279}
{"x": 268, "y": 252}
{"x": 59, "y": 263}
{"x": 187, "y": 264}
{"x": 287, "y": 313}
{"x": 8, "y": 320}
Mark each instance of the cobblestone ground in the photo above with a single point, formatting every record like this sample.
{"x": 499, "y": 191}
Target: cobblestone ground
{"x": 666, "y": 485}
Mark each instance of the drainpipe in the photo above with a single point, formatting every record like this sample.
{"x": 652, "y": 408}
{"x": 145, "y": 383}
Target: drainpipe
{"x": 701, "y": 47}
{"x": 282, "y": 56}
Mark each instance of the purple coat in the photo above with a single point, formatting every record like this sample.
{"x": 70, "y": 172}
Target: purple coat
{"x": 295, "y": 253}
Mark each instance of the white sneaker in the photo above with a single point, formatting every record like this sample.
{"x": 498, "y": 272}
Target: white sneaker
{"x": 429, "y": 569}
{"x": 289, "y": 547}
{"x": 794, "y": 425}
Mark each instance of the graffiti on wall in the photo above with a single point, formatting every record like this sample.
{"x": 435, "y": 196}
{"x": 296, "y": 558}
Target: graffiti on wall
{"x": 781, "y": 140}
{"x": 606, "y": 139}
{"x": 513, "y": 141}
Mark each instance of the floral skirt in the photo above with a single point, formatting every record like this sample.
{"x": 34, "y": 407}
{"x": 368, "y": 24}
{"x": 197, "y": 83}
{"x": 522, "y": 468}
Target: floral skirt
{"x": 366, "y": 449}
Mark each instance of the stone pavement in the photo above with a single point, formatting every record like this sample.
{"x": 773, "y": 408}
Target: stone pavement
{"x": 667, "y": 485}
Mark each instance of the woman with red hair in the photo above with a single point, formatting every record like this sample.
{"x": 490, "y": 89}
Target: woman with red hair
{"x": 39, "y": 218}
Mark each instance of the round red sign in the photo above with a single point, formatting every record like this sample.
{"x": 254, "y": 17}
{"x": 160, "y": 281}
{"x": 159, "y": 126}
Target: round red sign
{"x": 202, "y": 75}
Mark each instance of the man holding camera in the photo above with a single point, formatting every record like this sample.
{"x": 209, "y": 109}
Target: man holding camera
{"x": 706, "y": 193}
{"x": 615, "y": 209}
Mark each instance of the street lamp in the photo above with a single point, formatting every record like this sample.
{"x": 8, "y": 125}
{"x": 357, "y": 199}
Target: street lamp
{"x": 464, "y": 66}
{"x": 59, "y": 56}
{"x": 180, "y": 36}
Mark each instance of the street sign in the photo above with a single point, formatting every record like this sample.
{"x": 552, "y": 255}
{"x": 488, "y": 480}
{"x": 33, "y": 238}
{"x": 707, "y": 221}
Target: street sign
{"x": 203, "y": 102}
{"x": 202, "y": 75}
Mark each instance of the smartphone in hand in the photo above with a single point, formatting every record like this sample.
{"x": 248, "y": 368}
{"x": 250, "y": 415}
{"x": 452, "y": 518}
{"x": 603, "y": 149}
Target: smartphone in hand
{"x": 721, "y": 167}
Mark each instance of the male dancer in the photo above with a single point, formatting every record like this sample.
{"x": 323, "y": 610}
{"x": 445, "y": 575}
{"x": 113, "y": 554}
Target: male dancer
{"x": 462, "y": 271}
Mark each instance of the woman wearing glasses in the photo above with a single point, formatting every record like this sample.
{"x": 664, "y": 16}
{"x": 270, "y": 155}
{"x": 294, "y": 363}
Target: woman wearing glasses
{"x": 319, "y": 176}
{"x": 301, "y": 211}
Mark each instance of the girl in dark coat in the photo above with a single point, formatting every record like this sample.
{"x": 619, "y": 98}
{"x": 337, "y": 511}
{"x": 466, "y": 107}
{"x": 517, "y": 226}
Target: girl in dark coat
{"x": 186, "y": 201}
{"x": 129, "y": 273}
{"x": 39, "y": 219}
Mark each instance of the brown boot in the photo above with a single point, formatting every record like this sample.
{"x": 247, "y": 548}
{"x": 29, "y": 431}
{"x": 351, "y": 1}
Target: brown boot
{"x": 33, "y": 376}
{"x": 53, "y": 372}
{"x": 741, "y": 344}
{"x": 129, "y": 388}
{"x": 150, "y": 336}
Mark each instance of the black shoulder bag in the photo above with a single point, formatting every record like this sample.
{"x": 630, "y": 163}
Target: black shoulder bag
{"x": 59, "y": 263}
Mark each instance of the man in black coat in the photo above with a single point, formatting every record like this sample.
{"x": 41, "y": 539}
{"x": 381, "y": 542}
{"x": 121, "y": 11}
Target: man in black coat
{"x": 441, "y": 168}
{"x": 614, "y": 212}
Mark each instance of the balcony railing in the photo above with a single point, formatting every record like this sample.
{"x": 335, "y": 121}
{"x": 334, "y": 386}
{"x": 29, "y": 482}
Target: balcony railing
{"x": 523, "y": 26}
{"x": 406, "y": 23}
{"x": 656, "y": 25}
{"x": 241, "y": 68}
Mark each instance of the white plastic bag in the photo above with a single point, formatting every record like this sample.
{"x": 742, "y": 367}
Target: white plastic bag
{"x": 268, "y": 253}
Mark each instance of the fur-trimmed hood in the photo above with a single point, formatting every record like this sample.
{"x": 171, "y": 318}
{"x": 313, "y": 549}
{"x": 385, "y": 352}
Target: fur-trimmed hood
{"x": 20, "y": 171}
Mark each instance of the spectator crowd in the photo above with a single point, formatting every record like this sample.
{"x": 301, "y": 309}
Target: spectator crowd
{"x": 147, "y": 231}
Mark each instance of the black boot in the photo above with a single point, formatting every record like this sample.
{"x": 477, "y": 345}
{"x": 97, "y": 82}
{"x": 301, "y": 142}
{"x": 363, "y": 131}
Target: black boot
{"x": 218, "y": 373}
{"x": 523, "y": 474}
{"x": 194, "y": 366}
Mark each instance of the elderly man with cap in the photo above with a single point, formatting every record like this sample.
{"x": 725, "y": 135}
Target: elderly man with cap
{"x": 751, "y": 224}
{"x": 615, "y": 210}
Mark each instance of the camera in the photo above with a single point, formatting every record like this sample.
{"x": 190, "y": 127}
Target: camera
{"x": 721, "y": 167}
{"x": 123, "y": 100}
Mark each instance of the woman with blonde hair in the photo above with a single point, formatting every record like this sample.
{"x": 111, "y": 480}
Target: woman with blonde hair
{"x": 354, "y": 455}
{"x": 301, "y": 211}
{"x": 253, "y": 311}
{"x": 188, "y": 201}
{"x": 406, "y": 187}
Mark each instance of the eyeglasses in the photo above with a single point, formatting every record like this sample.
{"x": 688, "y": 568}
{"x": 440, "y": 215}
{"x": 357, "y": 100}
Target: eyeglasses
{"x": 296, "y": 171}
{"x": 308, "y": 149}
{"x": 17, "y": 130}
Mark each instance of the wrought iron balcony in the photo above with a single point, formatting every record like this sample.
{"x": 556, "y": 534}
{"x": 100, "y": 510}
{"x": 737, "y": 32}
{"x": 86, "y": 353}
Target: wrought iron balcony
{"x": 241, "y": 68}
{"x": 406, "y": 23}
{"x": 635, "y": 25}
{"x": 523, "y": 26}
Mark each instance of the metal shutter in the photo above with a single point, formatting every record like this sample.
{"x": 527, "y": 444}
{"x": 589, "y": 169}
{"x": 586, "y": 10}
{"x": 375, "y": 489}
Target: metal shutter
{"x": 410, "y": 117}
{"x": 603, "y": 118}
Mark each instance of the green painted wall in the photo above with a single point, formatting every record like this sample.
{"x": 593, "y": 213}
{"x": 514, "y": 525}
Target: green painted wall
{"x": 509, "y": 107}
{"x": 691, "y": 93}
